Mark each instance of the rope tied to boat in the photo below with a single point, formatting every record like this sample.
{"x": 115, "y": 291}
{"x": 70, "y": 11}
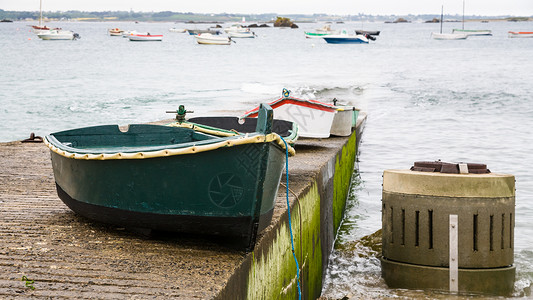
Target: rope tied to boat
{"x": 289, "y": 213}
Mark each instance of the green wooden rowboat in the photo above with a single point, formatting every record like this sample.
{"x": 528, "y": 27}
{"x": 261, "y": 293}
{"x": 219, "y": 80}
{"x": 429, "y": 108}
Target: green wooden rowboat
{"x": 171, "y": 178}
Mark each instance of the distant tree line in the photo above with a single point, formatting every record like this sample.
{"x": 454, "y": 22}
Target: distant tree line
{"x": 170, "y": 16}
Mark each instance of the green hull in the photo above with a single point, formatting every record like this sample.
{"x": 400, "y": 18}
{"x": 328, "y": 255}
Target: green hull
{"x": 229, "y": 190}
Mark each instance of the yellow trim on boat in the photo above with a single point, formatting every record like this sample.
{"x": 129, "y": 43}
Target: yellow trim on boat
{"x": 272, "y": 137}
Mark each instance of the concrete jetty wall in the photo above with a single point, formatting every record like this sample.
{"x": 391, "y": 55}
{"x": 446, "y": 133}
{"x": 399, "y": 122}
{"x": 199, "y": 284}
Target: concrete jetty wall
{"x": 317, "y": 204}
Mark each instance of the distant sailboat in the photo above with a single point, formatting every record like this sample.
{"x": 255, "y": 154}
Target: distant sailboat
{"x": 470, "y": 31}
{"x": 447, "y": 36}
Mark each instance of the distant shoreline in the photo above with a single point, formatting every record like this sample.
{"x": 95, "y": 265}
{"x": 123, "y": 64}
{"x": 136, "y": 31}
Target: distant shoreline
{"x": 181, "y": 17}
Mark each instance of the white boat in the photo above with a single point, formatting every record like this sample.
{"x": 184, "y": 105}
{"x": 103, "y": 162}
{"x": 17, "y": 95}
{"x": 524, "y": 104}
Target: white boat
{"x": 520, "y": 34}
{"x": 145, "y": 37}
{"x": 321, "y": 32}
{"x": 127, "y": 33}
{"x": 345, "y": 119}
{"x": 472, "y": 32}
{"x": 314, "y": 118}
{"x": 448, "y": 36}
{"x": 58, "y": 35}
{"x": 236, "y": 28}
{"x": 241, "y": 34}
{"x": 345, "y": 38}
{"x": 209, "y": 39}
{"x": 115, "y": 32}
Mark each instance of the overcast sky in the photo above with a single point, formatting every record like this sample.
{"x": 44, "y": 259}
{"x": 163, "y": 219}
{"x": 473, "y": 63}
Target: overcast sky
{"x": 339, "y": 7}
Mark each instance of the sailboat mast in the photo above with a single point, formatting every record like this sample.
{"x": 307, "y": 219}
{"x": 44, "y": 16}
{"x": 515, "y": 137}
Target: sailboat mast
{"x": 463, "y": 14}
{"x": 40, "y": 12}
{"x": 441, "y": 13}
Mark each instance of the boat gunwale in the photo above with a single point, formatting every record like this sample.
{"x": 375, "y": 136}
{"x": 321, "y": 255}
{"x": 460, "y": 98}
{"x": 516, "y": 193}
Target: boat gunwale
{"x": 295, "y": 101}
{"x": 164, "y": 151}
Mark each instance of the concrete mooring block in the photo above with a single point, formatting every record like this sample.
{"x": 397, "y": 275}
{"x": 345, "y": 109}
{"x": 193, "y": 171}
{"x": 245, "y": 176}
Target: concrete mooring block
{"x": 416, "y": 210}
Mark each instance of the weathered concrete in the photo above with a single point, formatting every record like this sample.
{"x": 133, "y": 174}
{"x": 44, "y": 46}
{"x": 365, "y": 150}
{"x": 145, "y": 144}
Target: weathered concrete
{"x": 68, "y": 256}
{"x": 416, "y": 230}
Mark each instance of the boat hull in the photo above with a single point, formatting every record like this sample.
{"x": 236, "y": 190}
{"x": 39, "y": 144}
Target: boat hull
{"x": 471, "y": 32}
{"x": 56, "y": 35}
{"x": 330, "y": 39}
{"x": 209, "y": 39}
{"x": 314, "y": 118}
{"x": 145, "y": 38}
{"x": 228, "y": 191}
{"x": 512, "y": 34}
{"x": 344, "y": 121}
{"x": 448, "y": 36}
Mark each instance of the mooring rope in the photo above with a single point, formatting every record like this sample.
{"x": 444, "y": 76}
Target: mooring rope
{"x": 289, "y": 212}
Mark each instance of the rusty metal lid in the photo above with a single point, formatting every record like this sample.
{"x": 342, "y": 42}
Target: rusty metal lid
{"x": 450, "y": 168}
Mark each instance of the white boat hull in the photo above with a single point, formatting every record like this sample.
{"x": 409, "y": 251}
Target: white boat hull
{"x": 343, "y": 121}
{"x": 145, "y": 38}
{"x": 56, "y": 35}
{"x": 520, "y": 34}
{"x": 314, "y": 118}
{"x": 448, "y": 36}
{"x": 209, "y": 39}
{"x": 472, "y": 32}
{"x": 235, "y": 34}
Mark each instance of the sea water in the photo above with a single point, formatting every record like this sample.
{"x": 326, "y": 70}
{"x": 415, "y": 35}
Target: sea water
{"x": 458, "y": 101}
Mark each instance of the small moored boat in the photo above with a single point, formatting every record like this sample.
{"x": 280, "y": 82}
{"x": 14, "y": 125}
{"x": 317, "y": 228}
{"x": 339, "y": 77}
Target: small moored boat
{"x": 520, "y": 34}
{"x": 209, "y": 39}
{"x": 345, "y": 38}
{"x": 58, "y": 35}
{"x": 473, "y": 32}
{"x": 171, "y": 178}
{"x": 241, "y": 34}
{"x": 321, "y": 32}
{"x": 145, "y": 37}
{"x": 115, "y": 32}
{"x": 448, "y": 36}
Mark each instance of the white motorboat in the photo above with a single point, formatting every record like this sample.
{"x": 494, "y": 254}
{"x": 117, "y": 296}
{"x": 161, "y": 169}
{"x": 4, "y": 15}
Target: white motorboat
{"x": 58, "y": 35}
{"x": 209, "y": 39}
{"x": 345, "y": 38}
{"x": 145, "y": 37}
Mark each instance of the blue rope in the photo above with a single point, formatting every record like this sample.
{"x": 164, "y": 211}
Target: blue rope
{"x": 289, "y": 212}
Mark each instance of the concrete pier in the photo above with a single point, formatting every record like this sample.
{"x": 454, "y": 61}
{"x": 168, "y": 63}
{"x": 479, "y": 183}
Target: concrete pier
{"x": 63, "y": 255}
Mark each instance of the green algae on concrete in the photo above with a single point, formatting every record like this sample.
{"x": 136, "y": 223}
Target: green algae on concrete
{"x": 273, "y": 274}
{"x": 344, "y": 164}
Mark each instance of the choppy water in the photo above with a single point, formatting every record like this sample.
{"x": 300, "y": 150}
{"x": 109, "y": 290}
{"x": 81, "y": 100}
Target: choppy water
{"x": 426, "y": 99}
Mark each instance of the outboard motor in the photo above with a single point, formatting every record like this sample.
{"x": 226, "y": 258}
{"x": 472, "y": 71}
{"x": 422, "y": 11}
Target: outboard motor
{"x": 370, "y": 37}
{"x": 76, "y": 36}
